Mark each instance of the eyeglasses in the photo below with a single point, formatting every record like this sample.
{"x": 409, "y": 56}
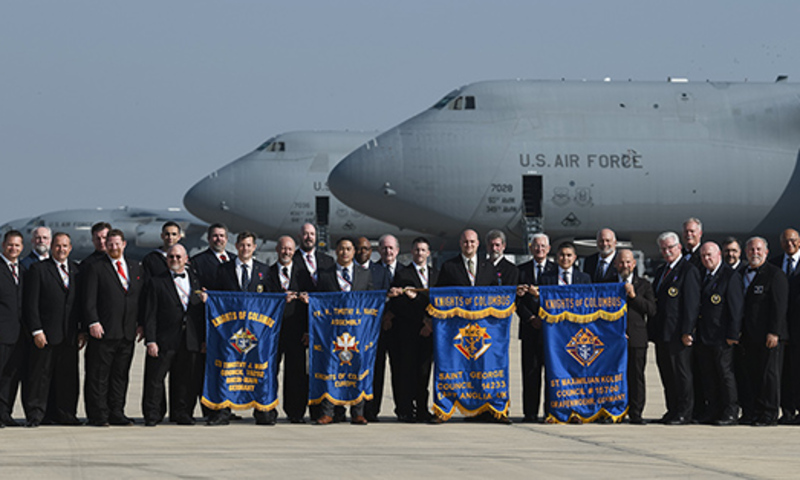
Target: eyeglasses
{"x": 175, "y": 256}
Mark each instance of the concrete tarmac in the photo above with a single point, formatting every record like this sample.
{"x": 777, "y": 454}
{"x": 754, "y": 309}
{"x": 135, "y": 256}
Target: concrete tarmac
{"x": 390, "y": 449}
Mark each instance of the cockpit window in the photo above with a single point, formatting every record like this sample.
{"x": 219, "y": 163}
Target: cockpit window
{"x": 272, "y": 146}
{"x": 447, "y": 99}
{"x": 453, "y": 102}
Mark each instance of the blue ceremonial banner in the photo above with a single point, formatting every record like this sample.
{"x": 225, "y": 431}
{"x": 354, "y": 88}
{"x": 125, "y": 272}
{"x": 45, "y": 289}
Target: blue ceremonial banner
{"x": 343, "y": 334}
{"x": 242, "y": 350}
{"x": 471, "y": 328}
{"x": 586, "y": 352}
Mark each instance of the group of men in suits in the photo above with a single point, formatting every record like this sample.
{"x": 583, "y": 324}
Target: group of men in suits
{"x": 718, "y": 322}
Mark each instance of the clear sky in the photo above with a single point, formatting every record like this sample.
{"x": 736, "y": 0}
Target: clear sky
{"x": 108, "y": 103}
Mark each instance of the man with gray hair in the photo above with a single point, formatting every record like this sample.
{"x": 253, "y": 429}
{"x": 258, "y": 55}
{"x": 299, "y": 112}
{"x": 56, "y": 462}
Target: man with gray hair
{"x": 507, "y": 273}
{"x": 763, "y": 327}
{"x": 601, "y": 264}
{"x": 41, "y": 237}
{"x": 693, "y": 237}
{"x": 677, "y": 288}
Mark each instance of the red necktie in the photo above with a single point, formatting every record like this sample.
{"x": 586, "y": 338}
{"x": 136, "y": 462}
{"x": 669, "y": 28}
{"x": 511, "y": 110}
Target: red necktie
{"x": 223, "y": 258}
{"x": 121, "y": 273}
{"x": 66, "y": 275}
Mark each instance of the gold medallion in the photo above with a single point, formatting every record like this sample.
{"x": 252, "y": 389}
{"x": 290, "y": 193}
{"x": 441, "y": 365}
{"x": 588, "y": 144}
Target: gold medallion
{"x": 672, "y": 292}
{"x": 715, "y": 299}
{"x": 260, "y": 289}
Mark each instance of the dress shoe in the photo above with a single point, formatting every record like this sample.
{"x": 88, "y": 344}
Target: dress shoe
{"x": 68, "y": 420}
{"x": 33, "y": 423}
{"x": 184, "y": 420}
{"x": 372, "y": 418}
{"x": 297, "y": 420}
{"x": 265, "y": 420}
{"x": 150, "y": 423}
{"x": 406, "y": 419}
{"x": 323, "y": 420}
{"x": 746, "y": 420}
{"x": 121, "y": 422}
{"x": 98, "y": 423}
{"x": 503, "y": 419}
{"x": 217, "y": 420}
{"x": 359, "y": 420}
{"x": 636, "y": 421}
{"x": 424, "y": 416}
{"x": 726, "y": 422}
{"x": 787, "y": 419}
{"x": 235, "y": 417}
{"x": 530, "y": 419}
{"x": 764, "y": 422}
{"x": 677, "y": 421}
{"x": 339, "y": 418}
{"x": 7, "y": 421}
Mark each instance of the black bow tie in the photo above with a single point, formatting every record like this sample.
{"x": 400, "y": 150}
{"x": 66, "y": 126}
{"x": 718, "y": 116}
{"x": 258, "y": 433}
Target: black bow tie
{"x": 752, "y": 270}
{"x": 176, "y": 275}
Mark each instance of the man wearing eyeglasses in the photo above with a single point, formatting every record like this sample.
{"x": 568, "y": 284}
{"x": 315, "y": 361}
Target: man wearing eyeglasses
{"x": 677, "y": 289}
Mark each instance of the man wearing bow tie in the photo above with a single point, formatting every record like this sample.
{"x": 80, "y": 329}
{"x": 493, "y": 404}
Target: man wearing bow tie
{"x": 764, "y": 325}
{"x": 717, "y": 331}
{"x": 51, "y": 317}
{"x": 111, "y": 289}
{"x": 174, "y": 326}
{"x": 292, "y": 278}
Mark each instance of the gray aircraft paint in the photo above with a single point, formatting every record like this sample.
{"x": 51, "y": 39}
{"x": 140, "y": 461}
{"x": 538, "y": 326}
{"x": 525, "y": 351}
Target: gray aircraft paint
{"x": 639, "y": 157}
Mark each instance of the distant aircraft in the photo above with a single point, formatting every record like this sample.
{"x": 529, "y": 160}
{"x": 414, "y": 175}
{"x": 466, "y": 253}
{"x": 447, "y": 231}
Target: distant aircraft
{"x": 282, "y": 184}
{"x": 573, "y": 157}
{"x": 142, "y": 228}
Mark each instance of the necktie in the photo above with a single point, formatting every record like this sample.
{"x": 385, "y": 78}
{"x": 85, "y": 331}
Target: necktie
{"x": 565, "y": 277}
{"x": 223, "y": 258}
{"x": 664, "y": 277}
{"x": 539, "y": 271}
{"x": 312, "y": 266}
{"x": 707, "y": 280}
{"x": 423, "y": 277}
{"x": 346, "y": 275}
{"x": 600, "y": 271}
{"x": 245, "y": 278}
{"x": 14, "y": 272}
{"x": 66, "y": 275}
{"x": 789, "y": 266}
{"x": 471, "y": 267}
{"x": 178, "y": 275}
{"x": 285, "y": 278}
{"x": 122, "y": 275}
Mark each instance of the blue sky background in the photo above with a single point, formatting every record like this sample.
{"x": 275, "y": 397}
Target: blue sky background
{"x": 108, "y": 103}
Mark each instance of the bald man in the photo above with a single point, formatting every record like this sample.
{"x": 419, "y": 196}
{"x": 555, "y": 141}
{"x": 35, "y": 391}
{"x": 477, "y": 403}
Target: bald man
{"x": 174, "y": 325}
{"x": 601, "y": 266}
{"x": 467, "y": 269}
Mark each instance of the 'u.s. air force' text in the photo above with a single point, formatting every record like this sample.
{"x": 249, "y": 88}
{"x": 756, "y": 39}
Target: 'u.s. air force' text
{"x": 576, "y": 160}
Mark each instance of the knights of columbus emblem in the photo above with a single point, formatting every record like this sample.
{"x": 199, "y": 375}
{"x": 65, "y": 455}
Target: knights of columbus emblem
{"x": 585, "y": 347}
{"x": 243, "y": 341}
{"x": 473, "y": 341}
{"x": 345, "y": 345}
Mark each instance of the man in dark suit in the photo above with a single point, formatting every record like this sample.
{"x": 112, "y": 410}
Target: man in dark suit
{"x": 205, "y": 263}
{"x": 764, "y": 325}
{"x": 155, "y": 262}
{"x": 466, "y": 269}
{"x": 790, "y": 383}
{"x": 244, "y": 274}
{"x": 11, "y": 333}
{"x": 600, "y": 266}
{"x": 566, "y": 274}
{"x": 641, "y": 306}
{"x": 292, "y": 278}
{"x": 111, "y": 290}
{"x": 530, "y": 325}
{"x": 174, "y": 326}
{"x": 41, "y": 237}
{"x": 51, "y": 314}
{"x": 692, "y": 237}
{"x": 732, "y": 255}
{"x": 99, "y": 233}
{"x": 389, "y": 248}
{"x": 717, "y": 330}
{"x": 345, "y": 276}
{"x": 677, "y": 289}
{"x": 314, "y": 260}
{"x": 380, "y": 275}
{"x": 507, "y": 273}
{"x": 411, "y": 367}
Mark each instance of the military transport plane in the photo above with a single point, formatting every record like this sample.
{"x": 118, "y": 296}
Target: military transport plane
{"x": 639, "y": 157}
{"x": 282, "y": 184}
{"x": 142, "y": 228}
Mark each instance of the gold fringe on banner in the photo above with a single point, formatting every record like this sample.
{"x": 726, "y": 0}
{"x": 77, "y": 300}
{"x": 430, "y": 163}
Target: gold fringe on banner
{"x": 469, "y": 413}
{"x": 575, "y": 418}
{"x": 341, "y": 403}
{"x": 577, "y": 318}
{"x": 238, "y": 406}
{"x": 469, "y": 314}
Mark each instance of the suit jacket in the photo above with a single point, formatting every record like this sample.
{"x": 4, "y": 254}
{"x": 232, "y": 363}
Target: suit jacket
{"x": 507, "y": 273}
{"x": 578, "y": 277}
{"x": 227, "y": 281}
{"x": 154, "y": 264}
{"x": 793, "y": 311}
{"x": 765, "y": 304}
{"x": 295, "y": 315}
{"x": 721, "y": 308}
{"x": 328, "y": 281}
{"x": 323, "y": 261}
{"x": 677, "y": 302}
{"x": 590, "y": 267}
{"x": 205, "y": 266}
{"x": 96, "y": 255}
{"x": 694, "y": 258}
{"x": 381, "y": 278}
{"x": 28, "y": 261}
{"x": 165, "y": 317}
{"x": 50, "y": 306}
{"x": 409, "y": 314}
{"x": 527, "y": 305}
{"x": 10, "y": 304}
{"x": 106, "y": 301}
{"x": 454, "y": 273}
{"x": 640, "y": 309}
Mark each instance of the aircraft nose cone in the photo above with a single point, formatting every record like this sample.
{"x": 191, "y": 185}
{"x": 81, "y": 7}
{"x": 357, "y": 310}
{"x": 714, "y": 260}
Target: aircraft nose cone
{"x": 367, "y": 179}
{"x": 203, "y": 200}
